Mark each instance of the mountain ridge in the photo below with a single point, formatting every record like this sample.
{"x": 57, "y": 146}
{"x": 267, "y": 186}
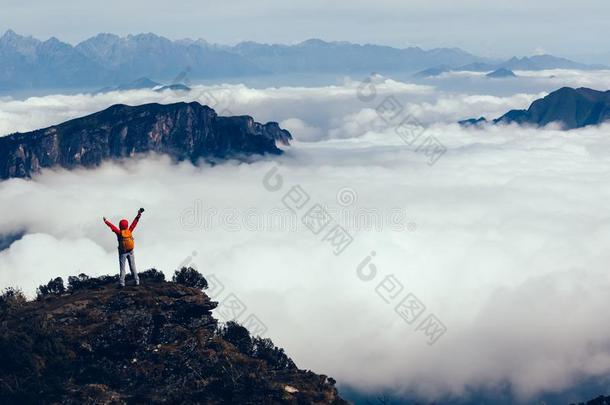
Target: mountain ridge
{"x": 184, "y": 131}
{"x": 109, "y": 60}
{"x": 571, "y": 108}
{"x": 536, "y": 62}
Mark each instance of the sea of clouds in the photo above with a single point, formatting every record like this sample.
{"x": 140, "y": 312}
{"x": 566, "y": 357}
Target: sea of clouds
{"x": 598, "y": 79}
{"x": 502, "y": 239}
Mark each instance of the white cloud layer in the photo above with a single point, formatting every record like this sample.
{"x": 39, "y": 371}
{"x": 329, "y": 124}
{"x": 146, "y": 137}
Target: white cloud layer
{"x": 509, "y": 250}
{"x": 313, "y": 105}
{"x": 555, "y": 78}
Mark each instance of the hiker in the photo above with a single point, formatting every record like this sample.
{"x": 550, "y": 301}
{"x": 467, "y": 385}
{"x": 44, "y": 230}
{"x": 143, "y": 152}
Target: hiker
{"x": 126, "y": 245}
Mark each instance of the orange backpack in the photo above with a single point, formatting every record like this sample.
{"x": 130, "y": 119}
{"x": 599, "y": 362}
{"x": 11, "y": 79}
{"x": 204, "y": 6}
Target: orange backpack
{"x": 126, "y": 241}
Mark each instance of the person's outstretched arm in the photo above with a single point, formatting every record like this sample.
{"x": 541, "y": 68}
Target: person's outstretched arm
{"x": 136, "y": 219}
{"x": 111, "y": 226}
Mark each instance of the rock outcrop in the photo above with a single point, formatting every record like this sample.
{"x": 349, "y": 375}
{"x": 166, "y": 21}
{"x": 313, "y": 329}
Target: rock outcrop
{"x": 568, "y": 107}
{"x": 154, "y": 344}
{"x": 601, "y": 400}
{"x": 184, "y": 131}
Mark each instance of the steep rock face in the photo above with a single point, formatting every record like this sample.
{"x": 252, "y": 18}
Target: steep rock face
{"x": 571, "y": 108}
{"x": 184, "y": 131}
{"x": 153, "y": 344}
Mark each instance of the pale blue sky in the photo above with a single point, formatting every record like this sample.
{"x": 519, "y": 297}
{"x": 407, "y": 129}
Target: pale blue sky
{"x": 490, "y": 28}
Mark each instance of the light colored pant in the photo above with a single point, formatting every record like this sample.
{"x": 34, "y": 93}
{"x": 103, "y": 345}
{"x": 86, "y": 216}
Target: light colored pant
{"x": 132, "y": 266}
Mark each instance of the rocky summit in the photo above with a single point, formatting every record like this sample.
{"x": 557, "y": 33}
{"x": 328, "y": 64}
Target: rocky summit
{"x": 184, "y": 131}
{"x": 567, "y": 107}
{"x": 92, "y": 343}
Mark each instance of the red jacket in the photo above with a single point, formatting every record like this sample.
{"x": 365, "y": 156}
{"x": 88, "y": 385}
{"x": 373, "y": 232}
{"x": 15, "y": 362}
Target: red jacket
{"x": 123, "y": 224}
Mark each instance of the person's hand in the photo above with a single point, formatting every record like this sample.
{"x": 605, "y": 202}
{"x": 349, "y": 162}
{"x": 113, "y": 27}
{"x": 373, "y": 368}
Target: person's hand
{"x": 141, "y": 210}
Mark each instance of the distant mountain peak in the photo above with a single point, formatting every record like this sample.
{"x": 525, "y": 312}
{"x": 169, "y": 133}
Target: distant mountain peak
{"x": 314, "y": 42}
{"x": 138, "y": 84}
{"x": 501, "y": 73}
{"x": 433, "y": 72}
{"x": 571, "y": 108}
{"x": 105, "y": 36}
{"x": 147, "y": 36}
{"x": 9, "y": 34}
